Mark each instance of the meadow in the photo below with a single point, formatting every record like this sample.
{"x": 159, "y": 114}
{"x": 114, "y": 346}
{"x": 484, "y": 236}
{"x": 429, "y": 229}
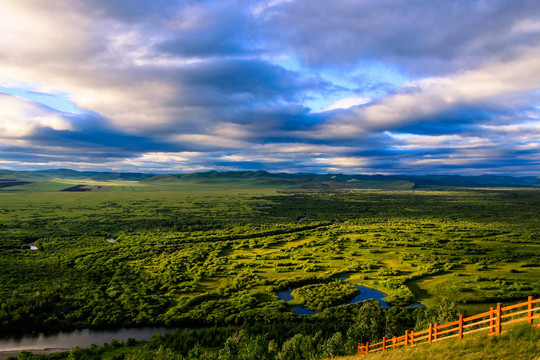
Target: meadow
{"x": 211, "y": 257}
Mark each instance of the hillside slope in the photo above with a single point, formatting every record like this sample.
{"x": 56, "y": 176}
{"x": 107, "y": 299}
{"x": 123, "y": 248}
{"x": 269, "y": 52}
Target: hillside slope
{"x": 523, "y": 342}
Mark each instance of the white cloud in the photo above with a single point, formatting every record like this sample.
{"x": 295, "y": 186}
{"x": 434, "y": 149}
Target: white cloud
{"x": 432, "y": 96}
{"x": 348, "y": 102}
{"x": 54, "y": 46}
{"x": 20, "y": 118}
{"x": 410, "y": 142}
{"x": 530, "y": 127}
{"x": 208, "y": 141}
{"x": 262, "y": 6}
{"x": 252, "y": 158}
{"x": 301, "y": 148}
{"x": 342, "y": 161}
{"x": 526, "y": 26}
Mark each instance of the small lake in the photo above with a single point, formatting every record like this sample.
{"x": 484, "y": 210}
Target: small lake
{"x": 81, "y": 338}
{"x": 365, "y": 294}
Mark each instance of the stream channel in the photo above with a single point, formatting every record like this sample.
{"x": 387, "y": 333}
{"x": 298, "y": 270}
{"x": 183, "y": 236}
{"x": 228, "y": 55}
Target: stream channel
{"x": 365, "y": 294}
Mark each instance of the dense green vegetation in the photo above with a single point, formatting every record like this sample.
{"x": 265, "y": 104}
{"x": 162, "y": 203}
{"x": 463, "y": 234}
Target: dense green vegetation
{"x": 318, "y": 297}
{"x": 218, "y": 258}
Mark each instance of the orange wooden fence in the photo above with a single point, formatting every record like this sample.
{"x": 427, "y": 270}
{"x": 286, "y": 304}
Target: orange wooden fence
{"x": 491, "y": 321}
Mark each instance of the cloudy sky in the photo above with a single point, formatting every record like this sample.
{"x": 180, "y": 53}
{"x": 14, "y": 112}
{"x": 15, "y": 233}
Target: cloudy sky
{"x": 351, "y": 86}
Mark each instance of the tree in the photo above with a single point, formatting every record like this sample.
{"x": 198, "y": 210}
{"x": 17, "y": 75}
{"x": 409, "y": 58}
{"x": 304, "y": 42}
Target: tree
{"x": 369, "y": 325}
{"x": 334, "y": 345}
{"x": 447, "y": 311}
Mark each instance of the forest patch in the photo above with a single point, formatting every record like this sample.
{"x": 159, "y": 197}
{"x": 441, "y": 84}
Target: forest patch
{"x": 318, "y": 297}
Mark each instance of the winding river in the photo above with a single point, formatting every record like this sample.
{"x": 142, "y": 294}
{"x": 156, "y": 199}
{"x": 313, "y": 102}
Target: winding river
{"x": 86, "y": 337}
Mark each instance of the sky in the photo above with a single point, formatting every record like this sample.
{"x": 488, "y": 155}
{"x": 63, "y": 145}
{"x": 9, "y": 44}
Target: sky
{"x": 312, "y": 86}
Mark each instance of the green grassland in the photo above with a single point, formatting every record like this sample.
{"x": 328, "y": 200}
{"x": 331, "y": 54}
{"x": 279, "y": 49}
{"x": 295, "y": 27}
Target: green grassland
{"x": 189, "y": 254}
{"x": 220, "y": 256}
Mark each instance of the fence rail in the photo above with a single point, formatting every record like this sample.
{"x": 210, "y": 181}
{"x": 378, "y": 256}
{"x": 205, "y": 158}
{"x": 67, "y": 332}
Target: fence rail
{"x": 491, "y": 321}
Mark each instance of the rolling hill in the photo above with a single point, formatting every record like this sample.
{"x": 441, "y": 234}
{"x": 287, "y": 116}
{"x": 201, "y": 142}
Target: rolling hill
{"x": 61, "y": 179}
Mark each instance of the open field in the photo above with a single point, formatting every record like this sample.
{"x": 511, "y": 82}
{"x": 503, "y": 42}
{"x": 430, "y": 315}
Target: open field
{"x": 177, "y": 252}
{"x": 219, "y": 257}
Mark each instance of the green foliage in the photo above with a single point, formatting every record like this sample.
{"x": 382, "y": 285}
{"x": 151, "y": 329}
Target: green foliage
{"x": 301, "y": 347}
{"x": 318, "y": 297}
{"x": 242, "y": 346}
{"x": 334, "y": 346}
{"x": 446, "y": 311}
{"x": 160, "y": 354}
{"x": 369, "y": 323}
{"x": 24, "y": 355}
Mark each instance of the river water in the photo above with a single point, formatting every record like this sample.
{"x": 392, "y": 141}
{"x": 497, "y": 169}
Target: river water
{"x": 81, "y": 338}
{"x": 365, "y": 294}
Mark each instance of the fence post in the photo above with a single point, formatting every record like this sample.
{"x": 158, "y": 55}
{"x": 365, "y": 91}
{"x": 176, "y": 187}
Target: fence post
{"x": 384, "y": 343}
{"x": 367, "y": 347}
{"x": 394, "y": 342}
{"x": 499, "y": 319}
{"x": 491, "y": 313}
{"x": 460, "y": 331}
{"x": 530, "y": 310}
{"x": 430, "y": 332}
{"x": 358, "y": 349}
{"x": 435, "y": 329}
{"x": 412, "y": 338}
{"x": 406, "y": 337}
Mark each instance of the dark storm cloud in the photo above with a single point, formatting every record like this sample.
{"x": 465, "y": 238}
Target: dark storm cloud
{"x": 217, "y": 30}
{"x": 195, "y": 44}
{"x": 262, "y": 81}
{"x": 422, "y": 36}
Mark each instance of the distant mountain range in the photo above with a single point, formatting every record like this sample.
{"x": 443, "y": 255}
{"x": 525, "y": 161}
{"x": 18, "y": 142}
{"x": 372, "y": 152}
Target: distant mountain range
{"x": 239, "y": 179}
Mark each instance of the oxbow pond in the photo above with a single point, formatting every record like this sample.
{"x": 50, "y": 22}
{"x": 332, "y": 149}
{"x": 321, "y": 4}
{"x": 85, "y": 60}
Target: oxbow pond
{"x": 365, "y": 294}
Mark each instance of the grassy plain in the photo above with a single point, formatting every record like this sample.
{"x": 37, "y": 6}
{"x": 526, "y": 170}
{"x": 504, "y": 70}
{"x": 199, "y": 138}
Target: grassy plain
{"x": 219, "y": 256}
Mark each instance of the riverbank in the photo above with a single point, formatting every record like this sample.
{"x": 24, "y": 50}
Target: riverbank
{"x": 82, "y": 338}
{"x": 6, "y": 354}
